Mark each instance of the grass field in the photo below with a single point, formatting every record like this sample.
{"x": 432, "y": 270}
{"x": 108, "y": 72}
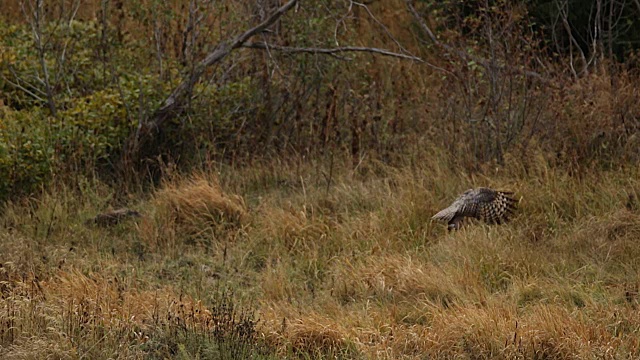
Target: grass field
{"x": 302, "y": 260}
{"x": 287, "y": 190}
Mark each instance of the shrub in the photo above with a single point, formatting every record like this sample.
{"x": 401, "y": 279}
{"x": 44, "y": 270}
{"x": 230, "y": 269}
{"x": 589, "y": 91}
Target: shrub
{"x": 26, "y": 154}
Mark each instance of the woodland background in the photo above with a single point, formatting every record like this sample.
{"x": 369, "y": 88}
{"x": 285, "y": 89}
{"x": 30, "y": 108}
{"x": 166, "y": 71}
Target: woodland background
{"x": 287, "y": 178}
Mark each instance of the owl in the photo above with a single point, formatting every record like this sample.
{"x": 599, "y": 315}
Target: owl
{"x": 492, "y": 206}
{"x": 113, "y": 217}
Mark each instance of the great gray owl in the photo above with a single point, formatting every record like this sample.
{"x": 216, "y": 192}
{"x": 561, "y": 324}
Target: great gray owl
{"x": 113, "y": 217}
{"x": 492, "y": 206}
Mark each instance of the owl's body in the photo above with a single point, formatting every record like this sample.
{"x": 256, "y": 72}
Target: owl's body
{"x": 113, "y": 217}
{"x": 492, "y": 206}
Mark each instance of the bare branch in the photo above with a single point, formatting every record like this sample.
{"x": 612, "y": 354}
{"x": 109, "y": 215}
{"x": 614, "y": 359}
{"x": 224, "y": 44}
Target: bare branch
{"x": 177, "y": 100}
{"x": 17, "y": 85}
{"x": 574, "y": 43}
{"x": 330, "y": 51}
{"x": 35, "y": 18}
{"x": 384, "y": 28}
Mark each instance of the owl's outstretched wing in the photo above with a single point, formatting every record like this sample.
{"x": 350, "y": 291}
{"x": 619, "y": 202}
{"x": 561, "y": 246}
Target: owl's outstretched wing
{"x": 494, "y": 207}
{"x": 499, "y": 209}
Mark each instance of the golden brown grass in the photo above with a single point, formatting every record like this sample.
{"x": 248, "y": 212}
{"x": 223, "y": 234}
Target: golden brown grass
{"x": 191, "y": 209}
{"x": 199, "y": 199}
{"x": 342, "y": 260}
{"x": 543, "y": 286}
{"x": 355, "y": 269}
{"x": 74, "y": 315}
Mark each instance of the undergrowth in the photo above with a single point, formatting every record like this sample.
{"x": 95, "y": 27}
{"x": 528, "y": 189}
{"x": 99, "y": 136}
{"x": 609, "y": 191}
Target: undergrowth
{"x": 229, "y": 264}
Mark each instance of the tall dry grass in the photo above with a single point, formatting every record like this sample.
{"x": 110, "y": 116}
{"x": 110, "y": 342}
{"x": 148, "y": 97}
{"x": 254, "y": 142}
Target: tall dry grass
{"x": 336, "y": 252}
{"x": 349, "y": 266}
{"x": 382, "y": 279}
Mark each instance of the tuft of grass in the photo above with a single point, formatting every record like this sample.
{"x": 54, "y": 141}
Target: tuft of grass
{"x": 194, "y": 209}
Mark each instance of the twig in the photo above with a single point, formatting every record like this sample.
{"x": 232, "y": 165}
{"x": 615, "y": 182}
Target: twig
{"x": 465, "y": 56}
{"x": 33, "y": 95}
{"x": 567, "y": 28}
{"x": 384, "y": 28}
{"x": 330, "y": 51}
{"x": 35, "y": 19}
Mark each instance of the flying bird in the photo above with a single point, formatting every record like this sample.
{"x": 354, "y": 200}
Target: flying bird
{"x": 492, "y": 206}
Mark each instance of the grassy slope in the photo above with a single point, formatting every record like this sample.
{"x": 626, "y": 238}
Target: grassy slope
{"x": 353, "y": 269}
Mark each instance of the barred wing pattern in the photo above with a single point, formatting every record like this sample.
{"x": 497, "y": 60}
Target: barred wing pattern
{"x": 492, "y": 206}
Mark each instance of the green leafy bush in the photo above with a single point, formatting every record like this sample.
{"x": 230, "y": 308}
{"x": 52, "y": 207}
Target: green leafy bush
{"x": 26, "y": 155}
